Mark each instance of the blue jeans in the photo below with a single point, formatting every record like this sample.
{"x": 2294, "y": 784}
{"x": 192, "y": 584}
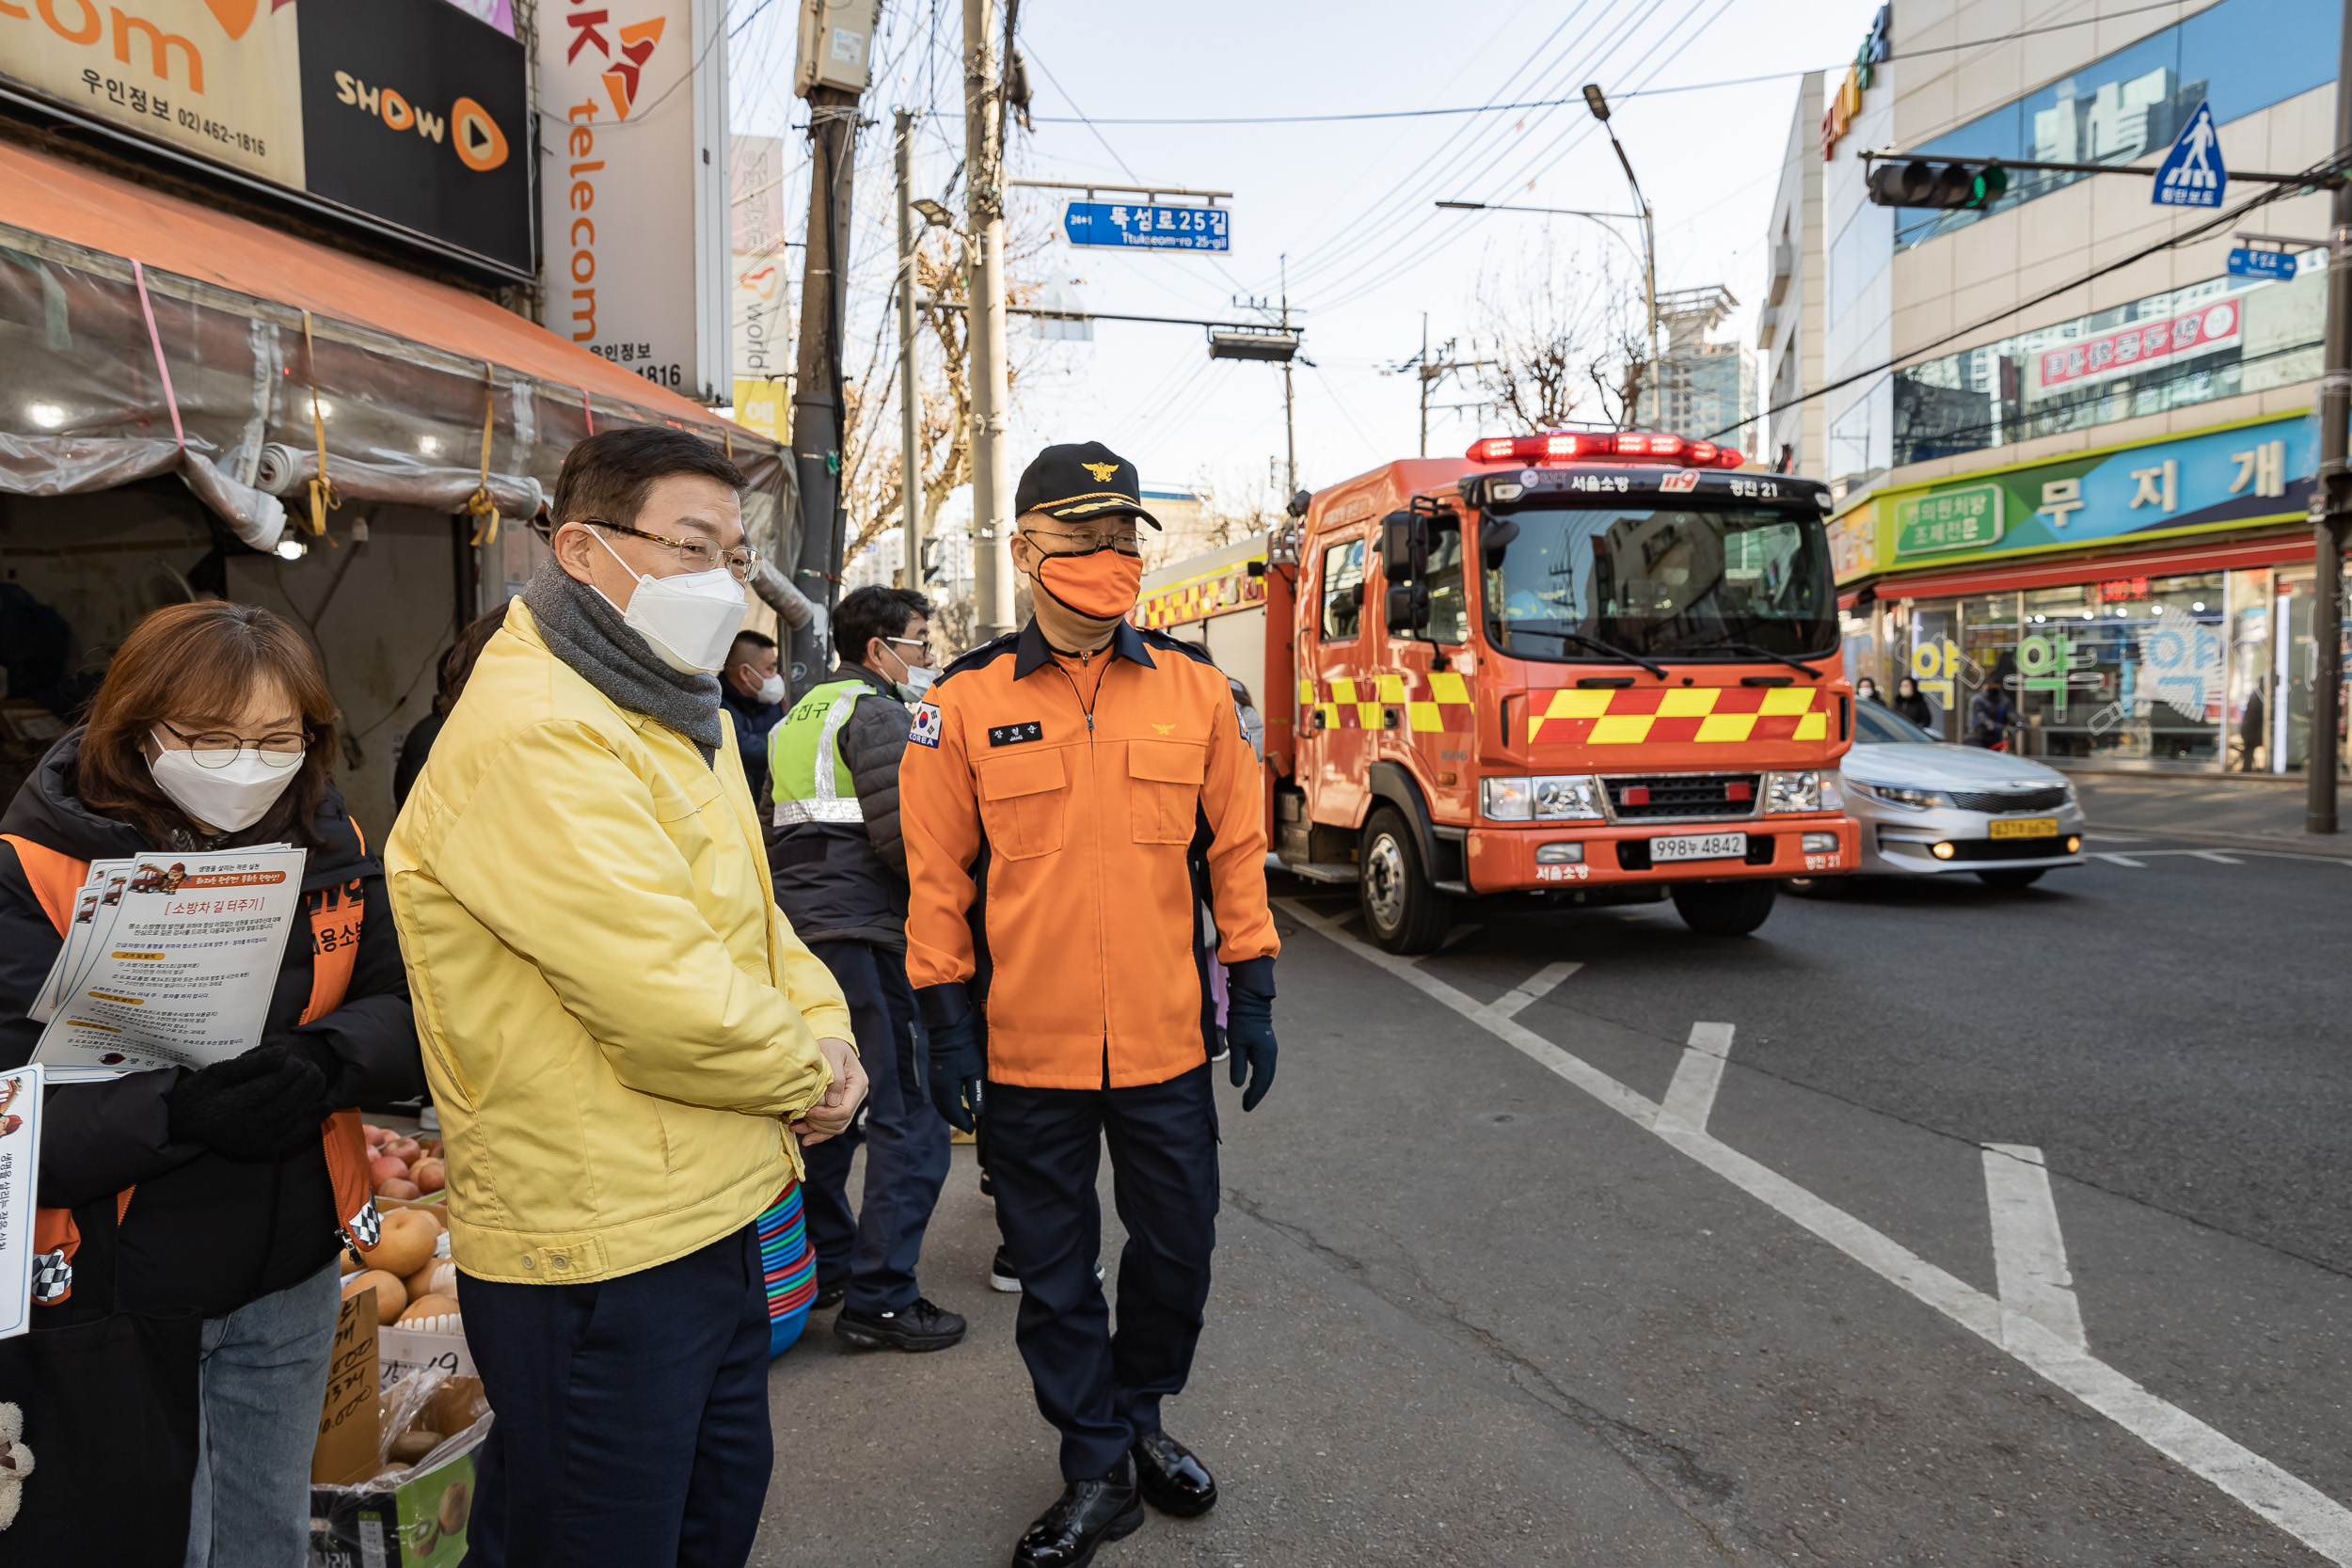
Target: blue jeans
{"x": 262, "y": 1380}
{"x": 906, "y": 1142}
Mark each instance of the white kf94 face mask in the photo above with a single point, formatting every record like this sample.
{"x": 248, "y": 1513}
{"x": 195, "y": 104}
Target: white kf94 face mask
{"x": 230, "y": 798}
{"x": 690, "y": 620}
{"x": 771, "y": 690}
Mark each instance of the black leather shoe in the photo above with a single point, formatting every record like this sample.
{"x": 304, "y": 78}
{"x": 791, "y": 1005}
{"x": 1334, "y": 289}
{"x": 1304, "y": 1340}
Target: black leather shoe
{"x": 828, "y": 1297}
{"x": 1170, "y": 1479}
{"x": 1088, "y": 1513}
{"x": 917, "y": 1327}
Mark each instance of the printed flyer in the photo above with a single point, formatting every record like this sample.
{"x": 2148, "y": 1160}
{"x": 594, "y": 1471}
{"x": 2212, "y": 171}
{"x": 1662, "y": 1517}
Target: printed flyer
{"x": 171, "y": 961}
{"x": 20, "y": 1161}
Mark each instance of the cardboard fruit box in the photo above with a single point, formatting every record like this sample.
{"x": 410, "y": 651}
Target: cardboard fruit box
{"x": 392, "y": 1477}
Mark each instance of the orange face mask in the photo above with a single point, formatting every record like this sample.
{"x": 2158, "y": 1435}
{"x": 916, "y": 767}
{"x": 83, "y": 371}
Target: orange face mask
{"x": 1100, "y": 584}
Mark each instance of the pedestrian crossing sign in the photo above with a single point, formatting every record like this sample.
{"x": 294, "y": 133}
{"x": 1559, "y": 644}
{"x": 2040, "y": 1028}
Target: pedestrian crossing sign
{"x": 2191, "y": 174}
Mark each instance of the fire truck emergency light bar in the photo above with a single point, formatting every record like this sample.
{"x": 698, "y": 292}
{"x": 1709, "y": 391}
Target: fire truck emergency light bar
{"x": 1566, "y": 446}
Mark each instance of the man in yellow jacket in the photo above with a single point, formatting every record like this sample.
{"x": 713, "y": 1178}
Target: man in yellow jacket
{"x": 626, "y": 1041}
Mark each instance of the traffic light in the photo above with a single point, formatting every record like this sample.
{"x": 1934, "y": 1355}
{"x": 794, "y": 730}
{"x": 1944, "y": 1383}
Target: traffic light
{"x": 1916, "y": 182}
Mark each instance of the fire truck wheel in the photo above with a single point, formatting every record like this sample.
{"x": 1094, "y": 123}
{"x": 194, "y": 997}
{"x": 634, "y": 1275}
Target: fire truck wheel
{"x": 1724, "y": 909}
{"x": 1816, "y": 887}
{"x": 1404, "y": 913}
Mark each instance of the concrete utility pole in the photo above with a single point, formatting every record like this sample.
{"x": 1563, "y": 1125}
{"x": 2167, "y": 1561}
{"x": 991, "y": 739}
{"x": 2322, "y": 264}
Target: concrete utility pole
{"x": 816, "y": 387}
{"x": 2331, "y": 501}
{"x": 984, "y": 269}
{"x": 1290, "y": 422}
{"x": 910, "y": 389}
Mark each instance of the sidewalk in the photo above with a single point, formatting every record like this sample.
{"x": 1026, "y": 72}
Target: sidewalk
{"x": 2256, "y": 811}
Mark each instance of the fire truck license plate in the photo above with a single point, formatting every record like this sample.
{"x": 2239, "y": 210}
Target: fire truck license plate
{"x": 2027, "y": 826}
{"x": 1700, "y": 846}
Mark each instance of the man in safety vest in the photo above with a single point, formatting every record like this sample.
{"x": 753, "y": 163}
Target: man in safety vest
{"x": 1073, "y": 793}
{"x": 841, "y": 878}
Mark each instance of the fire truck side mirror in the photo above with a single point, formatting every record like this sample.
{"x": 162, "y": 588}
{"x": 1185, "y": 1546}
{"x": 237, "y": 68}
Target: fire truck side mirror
{"x": 1408, "y": 609}
{"x": 1495, "y": 537}
{"x": 1404, "y": 547}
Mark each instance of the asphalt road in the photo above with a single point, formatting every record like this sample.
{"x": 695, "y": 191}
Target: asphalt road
{"x": 1528, "y": 1263}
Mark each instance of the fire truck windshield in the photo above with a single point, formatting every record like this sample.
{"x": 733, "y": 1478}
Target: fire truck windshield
{"x": 1665, "y": 584}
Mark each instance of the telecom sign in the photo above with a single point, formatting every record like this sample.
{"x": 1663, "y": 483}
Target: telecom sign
{"x": 1145, "y": 226}
{"x": 2191, "y": 174}
{"x": 2262, "y": 264}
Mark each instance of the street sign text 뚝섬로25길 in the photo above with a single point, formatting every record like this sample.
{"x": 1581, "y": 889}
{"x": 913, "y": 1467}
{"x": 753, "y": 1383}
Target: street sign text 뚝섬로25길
{"x": 1146, "y": 226}
{"x": 2262, "y": 264}
{"x": 2191, "y": 174}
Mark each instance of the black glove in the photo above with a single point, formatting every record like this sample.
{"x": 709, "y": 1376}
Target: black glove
{"x": 342, "y": 1079}
{"x": 1250, "y": 1031}
{"x": 957, "y": 1070}
{"x": 256, "y": 1106}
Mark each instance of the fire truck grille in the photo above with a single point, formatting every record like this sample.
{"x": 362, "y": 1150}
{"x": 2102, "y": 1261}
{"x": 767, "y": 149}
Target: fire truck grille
{"x": 1671, "y": 797}
{"x": 2009, "y": 800}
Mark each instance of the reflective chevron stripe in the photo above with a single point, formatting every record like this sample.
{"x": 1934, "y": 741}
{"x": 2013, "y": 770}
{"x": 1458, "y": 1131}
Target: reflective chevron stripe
{"x": 1679, "y": 715}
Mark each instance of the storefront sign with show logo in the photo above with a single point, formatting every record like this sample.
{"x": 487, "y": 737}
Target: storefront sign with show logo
{"x": 634, "y": 189}
{"x": 407, "y": 112}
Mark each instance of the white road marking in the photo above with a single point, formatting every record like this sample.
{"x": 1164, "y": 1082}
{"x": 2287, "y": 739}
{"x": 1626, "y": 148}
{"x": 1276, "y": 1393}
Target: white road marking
{"x": 2112, "y": 838}
{"x": 1515, "y": 1001}
{"x": 2115, "y": 858}
{"x": 2294, "y": 1505}
{"x": 2217, "y": 857}
{"x": 1456, "y": 935}
{"x": 2028, "y": 1251}
{"x": 1690, "y": 1098}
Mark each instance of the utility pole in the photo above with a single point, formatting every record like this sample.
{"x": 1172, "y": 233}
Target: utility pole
{"x": 1433, "y": 372}
{"x": 1290, "y": 425}
{"x": 910, "y": 390}
{"x": 2331, "y": 500}
{"x": 817, "y": 384}
{"x": 984, "y": 269}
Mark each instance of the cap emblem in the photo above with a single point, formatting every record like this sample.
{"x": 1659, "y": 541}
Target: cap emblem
{"x": 1102, "y": 471}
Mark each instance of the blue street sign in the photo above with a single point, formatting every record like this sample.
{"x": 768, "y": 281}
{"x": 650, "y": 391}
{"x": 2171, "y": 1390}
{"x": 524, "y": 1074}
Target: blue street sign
{"x": 2191, "y": 174}
{"x": 1143, "y": 226}
{"x": 2260, "y": 263}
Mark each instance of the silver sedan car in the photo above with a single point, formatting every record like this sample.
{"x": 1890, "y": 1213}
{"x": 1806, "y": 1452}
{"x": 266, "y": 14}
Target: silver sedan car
{"x": 1929, "y": 809}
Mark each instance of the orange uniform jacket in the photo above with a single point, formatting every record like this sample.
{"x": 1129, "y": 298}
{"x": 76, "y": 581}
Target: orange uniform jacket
{"x": 1058, "y": 861}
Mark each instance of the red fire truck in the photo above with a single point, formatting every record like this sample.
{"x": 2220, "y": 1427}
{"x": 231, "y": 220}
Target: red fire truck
{"x": 1572, "y": 668}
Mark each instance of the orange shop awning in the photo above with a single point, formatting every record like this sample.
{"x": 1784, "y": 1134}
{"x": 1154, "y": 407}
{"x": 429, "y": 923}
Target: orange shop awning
{"x": 85, "y": 207}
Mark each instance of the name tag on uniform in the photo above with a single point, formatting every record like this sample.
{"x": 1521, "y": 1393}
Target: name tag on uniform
{"x": 924, "y": 730}
{"x": 1014, "y": 735}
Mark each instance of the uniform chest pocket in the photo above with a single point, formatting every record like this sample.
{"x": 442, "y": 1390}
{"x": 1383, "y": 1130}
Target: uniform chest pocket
{"x": 1163, "y": 788}
{"x": 1025, "y": 801}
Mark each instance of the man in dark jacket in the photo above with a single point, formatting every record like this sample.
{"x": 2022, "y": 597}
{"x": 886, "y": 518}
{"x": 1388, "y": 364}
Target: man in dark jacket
{"x": 751, "y": 687}
{"x": 841, "y": 878}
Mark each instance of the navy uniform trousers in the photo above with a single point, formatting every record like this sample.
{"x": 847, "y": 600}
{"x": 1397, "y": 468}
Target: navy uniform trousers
{"x": 875, "y": 1252}
{"x": 1102, "y": 1391}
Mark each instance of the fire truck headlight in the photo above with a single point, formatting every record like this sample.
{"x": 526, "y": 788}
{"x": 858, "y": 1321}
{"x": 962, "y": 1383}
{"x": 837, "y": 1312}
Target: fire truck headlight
{"x": 1506, "y": 800}
{"x": 1805, "y": 791}
{"x": 1820, "y": 843}
{"x": 1560, "y": 854}
{"x": 1569, "y": 796}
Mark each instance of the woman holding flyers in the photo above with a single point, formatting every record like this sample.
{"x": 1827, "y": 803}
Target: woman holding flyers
{"x": 220, "y": 1190}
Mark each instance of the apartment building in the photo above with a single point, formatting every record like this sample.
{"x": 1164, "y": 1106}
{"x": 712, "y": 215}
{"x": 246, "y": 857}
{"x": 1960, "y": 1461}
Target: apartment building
{"x": 1788, "y": 329}
{"x": 2073, "y": 453}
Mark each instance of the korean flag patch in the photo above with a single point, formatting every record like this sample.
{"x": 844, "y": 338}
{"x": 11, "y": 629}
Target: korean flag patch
{"x": 926, "y": 729}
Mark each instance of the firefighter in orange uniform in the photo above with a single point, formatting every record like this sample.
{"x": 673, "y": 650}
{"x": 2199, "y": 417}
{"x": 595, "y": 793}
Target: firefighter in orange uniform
{"x": 1071, "y": 795}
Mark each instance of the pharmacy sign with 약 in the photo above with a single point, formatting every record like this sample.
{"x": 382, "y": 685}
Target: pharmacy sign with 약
{"x": 1147, "y": 226}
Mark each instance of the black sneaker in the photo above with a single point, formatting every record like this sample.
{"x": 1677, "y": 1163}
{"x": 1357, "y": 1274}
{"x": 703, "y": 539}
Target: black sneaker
{"x": 1223, "y": 1048}
{"x": 828, "y": 1297}
{"x": 988, "y": 1185}
{"x": 919, "y": 1326}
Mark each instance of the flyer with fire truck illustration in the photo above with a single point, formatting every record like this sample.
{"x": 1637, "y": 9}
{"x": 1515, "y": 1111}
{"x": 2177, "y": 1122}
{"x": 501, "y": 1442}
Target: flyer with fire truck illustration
{"x": 20, "y": 1159}
{"x": 177, "y": 964}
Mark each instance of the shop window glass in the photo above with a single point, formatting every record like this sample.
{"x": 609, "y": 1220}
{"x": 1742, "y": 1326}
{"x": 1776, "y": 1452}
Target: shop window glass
{"x": 2130, "y": 667}
{"x": 1342, "y": 591}
{"x": 1858, "y": 256}
{"x": 1989, "y": 716}
{"x": 2295, "y": 661}
{"x": 2133, "y": 102}
{"x": 1932, "y": 657}
{"x": 2251, "y": 686}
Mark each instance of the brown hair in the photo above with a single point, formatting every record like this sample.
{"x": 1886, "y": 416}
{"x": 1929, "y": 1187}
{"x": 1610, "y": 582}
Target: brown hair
{"x": 201, "y": 661}
{"x": 457, "y": 664}
{"x": 606, "y": 476}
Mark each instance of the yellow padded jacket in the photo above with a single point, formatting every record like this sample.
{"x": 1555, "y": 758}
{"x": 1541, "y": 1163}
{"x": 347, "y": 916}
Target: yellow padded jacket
{"x": 617, "y": 1021}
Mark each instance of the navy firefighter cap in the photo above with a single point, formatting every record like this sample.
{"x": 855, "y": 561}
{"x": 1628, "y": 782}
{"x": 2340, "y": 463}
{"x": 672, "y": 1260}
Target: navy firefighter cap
{"x": 1083, "y": 480}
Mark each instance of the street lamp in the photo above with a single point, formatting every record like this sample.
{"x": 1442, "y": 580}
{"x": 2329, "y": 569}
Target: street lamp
{"x": 1597, "y": 101}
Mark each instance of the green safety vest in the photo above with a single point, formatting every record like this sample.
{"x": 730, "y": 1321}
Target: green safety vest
{"x": 809, "y": 780}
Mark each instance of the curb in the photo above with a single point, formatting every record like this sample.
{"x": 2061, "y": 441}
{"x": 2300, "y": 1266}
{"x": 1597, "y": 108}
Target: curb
{"x": 2312, "y": 844}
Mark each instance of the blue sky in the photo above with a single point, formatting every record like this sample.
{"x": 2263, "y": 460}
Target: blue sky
{"x": 1350, "y": 202}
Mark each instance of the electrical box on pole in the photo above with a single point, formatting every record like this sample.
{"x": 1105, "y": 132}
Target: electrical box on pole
{"x": 836, "y": 40}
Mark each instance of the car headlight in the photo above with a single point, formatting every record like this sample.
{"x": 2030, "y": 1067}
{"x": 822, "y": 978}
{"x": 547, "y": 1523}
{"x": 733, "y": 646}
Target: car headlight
{"x": 1565, "y": 795}
{"x": 1550, "y": 798}
{"x": 1914, "y": 799}
{"x": 1506, "y": 800}
{"x": 1810, "y": 790}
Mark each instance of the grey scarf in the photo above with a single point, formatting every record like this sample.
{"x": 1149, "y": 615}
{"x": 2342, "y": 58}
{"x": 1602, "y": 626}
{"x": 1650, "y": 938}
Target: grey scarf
{"x": 582, "y": 630}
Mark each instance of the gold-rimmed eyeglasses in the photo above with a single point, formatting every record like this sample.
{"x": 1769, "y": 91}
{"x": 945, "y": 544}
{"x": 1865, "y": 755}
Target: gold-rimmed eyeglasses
{"x": 219, "y": 748}
{"x": 697, "y": 555}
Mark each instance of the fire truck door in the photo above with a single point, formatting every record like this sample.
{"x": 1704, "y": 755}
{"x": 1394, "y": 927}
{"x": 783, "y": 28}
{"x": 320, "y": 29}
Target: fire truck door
{"x": 1334, "y": 753}
{"x": 1425, "y": 695}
